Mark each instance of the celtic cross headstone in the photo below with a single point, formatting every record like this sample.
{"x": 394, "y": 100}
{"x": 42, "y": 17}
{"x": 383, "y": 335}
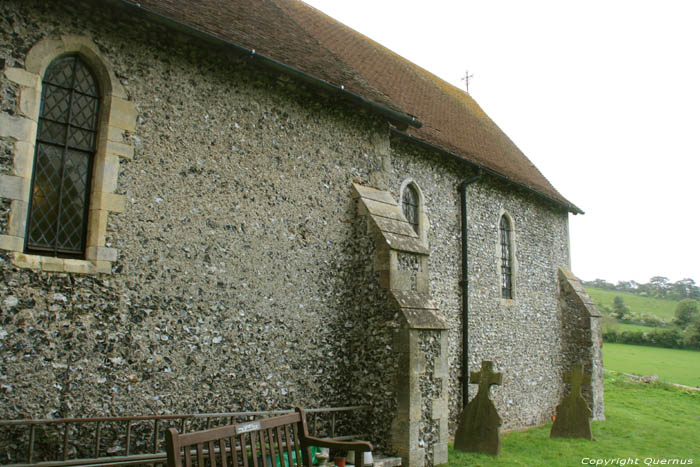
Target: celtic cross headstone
{"x": 479, "y": 422}
{"x": 573, "y": 418}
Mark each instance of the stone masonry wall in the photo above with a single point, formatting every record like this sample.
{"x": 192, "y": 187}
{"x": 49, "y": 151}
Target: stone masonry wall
{"x": 242, "y": 281}
{"x": 522, "y": 336}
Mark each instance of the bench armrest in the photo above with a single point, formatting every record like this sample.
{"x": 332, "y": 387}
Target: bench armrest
{"x": 362, "y": 446}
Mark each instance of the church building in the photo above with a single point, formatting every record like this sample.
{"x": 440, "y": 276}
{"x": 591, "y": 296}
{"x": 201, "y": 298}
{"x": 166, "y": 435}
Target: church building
{"x": 244, "y": 205}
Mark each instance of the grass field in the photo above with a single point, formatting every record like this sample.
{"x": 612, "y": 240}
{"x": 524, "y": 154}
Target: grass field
{"x": 664, "y": 309}
{"x": 648, "y": 422}
{"x": 671, "y": 365}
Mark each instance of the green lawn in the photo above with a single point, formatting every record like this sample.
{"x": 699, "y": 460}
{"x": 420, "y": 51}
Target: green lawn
{"x": 671, "y": 365}
{"x": 664, "y": 309}
{"x": 648, "y": 422}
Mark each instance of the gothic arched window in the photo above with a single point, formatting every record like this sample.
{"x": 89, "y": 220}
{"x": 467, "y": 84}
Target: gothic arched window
{"x": 410, "y": 205}
{"x": 506, "y": 258}
{"x": 63, "y": 159}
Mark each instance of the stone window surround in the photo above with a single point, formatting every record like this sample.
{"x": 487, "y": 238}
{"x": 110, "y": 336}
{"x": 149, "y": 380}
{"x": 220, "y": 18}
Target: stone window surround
{"x": 513, "y": 258}
{"x": 423, "y": 221}
{"x": 117, "y": 116}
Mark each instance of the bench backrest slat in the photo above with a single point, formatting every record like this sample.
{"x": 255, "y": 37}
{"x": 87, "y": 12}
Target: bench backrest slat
{"x": 281, "y": 441}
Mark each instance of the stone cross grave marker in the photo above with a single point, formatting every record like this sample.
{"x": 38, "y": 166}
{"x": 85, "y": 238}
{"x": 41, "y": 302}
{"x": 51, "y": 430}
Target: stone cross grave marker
{"x": 573, "y": 418}
{"x": 479, "y": 422}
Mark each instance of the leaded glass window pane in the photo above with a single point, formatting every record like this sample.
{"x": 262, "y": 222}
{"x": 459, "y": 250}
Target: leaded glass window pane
{"x": 65, "y": 148}
{"x": 410, "y": 206}
{"x": 506, "y": 259}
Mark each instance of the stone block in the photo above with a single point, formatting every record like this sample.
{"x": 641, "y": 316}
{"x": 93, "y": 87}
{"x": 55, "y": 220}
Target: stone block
{"x": 41, "y": 55}
{"x": 11, "y": 243}
{"x": 29, "y": 103}
{"x": 97, "y": 226}
{"x": 440, "y": 453}
{"x": 385, "y": 279}
{"x": 51, "y": 264}
{"x": 423, "y": 282}
{"x": 394, "y": 226}
{"x": 380, "y": 179}
{"x": 424, "y": 319}
{"x": 103, "y": 267}
{"x": 120, "y": 149}
{"x": 402, "y": 243}
{"x": 115, "y": 134}
{"x": 401, "y": 280}
{"x": 411, "y": 299}
{"x": 23, "y": 78}
{"x": 13, "y": 187}
{"x": 381, "y": 144}
{"x": 440, "y": 409}
{"x": 107, "y": 202}
{"x": 368, "y": 193}
{"x": 17, "y": 128}
{"x": 22, "y": 260}
{"x": 107, "y": 175}
{"x": 18, "y": 218}
{"x": 78, "y": 266}
{"x": 402, "y": 342}
{"x": 382, "y": 259}
{"x": 122, "y": 114}
{"x": 23, "y": 160}
{"x": 378, "y": 208}
{"x": 441, "y": 365}
{"x": 100, "y": 253}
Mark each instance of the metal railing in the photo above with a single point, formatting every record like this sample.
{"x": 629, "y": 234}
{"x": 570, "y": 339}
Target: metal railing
{"x": 135, "y": 440}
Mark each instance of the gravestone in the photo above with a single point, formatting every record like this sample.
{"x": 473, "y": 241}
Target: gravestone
{"x": 573, "y": 418}
{"x": 479, "y": 422}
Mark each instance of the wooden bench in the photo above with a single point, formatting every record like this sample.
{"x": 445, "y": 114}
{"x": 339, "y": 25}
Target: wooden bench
{"x": 282, "y": 441}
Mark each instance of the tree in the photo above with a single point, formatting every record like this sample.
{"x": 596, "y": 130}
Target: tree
{"x": 619, "y": 308}
{"x": 687, "y": 311}
{"x": 659, "y": 285}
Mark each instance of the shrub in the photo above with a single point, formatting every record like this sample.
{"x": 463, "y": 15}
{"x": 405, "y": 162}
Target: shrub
{"x": 691, "y": 338}
{"x": 668, "y": 338}
{"x": 619, "y": 307}
{"x": 686, "y": 312}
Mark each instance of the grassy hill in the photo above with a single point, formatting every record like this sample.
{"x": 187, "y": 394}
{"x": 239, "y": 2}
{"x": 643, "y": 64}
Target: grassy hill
{"x": 664, "y": 309}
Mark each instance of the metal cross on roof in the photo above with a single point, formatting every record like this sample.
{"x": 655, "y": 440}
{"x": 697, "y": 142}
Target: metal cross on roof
{"x": 467, "y": 76}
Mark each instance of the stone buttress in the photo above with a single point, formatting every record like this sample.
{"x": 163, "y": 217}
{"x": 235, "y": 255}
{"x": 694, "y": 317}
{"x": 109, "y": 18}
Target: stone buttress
{"x": 583, "y": 334}
{"x": 420, "y": 426}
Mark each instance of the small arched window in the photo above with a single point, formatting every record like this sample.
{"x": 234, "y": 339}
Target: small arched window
{"x": 410, "y": 205}
{"x": 506, "y": 259}
{"x": 63, "y": 159}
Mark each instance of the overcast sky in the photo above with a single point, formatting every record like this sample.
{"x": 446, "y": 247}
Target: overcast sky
{"x": 602, "y": 96}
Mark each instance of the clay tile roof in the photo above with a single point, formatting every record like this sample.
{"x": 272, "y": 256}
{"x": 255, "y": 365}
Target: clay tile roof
{"x": 298, "y": 35}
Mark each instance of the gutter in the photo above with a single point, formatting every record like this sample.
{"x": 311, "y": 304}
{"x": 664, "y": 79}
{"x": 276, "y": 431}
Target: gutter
{"x": 465, "y": 287}
{"x": 569, "y": 207}
{"x": 399, "y": 119}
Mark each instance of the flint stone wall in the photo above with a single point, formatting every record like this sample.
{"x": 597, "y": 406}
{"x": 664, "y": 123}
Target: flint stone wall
{"x": 245, "y": 280}
{"x": 523, "y": 336}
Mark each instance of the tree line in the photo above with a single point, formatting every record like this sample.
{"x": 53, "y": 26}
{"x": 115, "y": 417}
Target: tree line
{"x": 657, "y": 287}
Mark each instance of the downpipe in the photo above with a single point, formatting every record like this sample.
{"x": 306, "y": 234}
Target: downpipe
{"x": 464, "y": 283}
